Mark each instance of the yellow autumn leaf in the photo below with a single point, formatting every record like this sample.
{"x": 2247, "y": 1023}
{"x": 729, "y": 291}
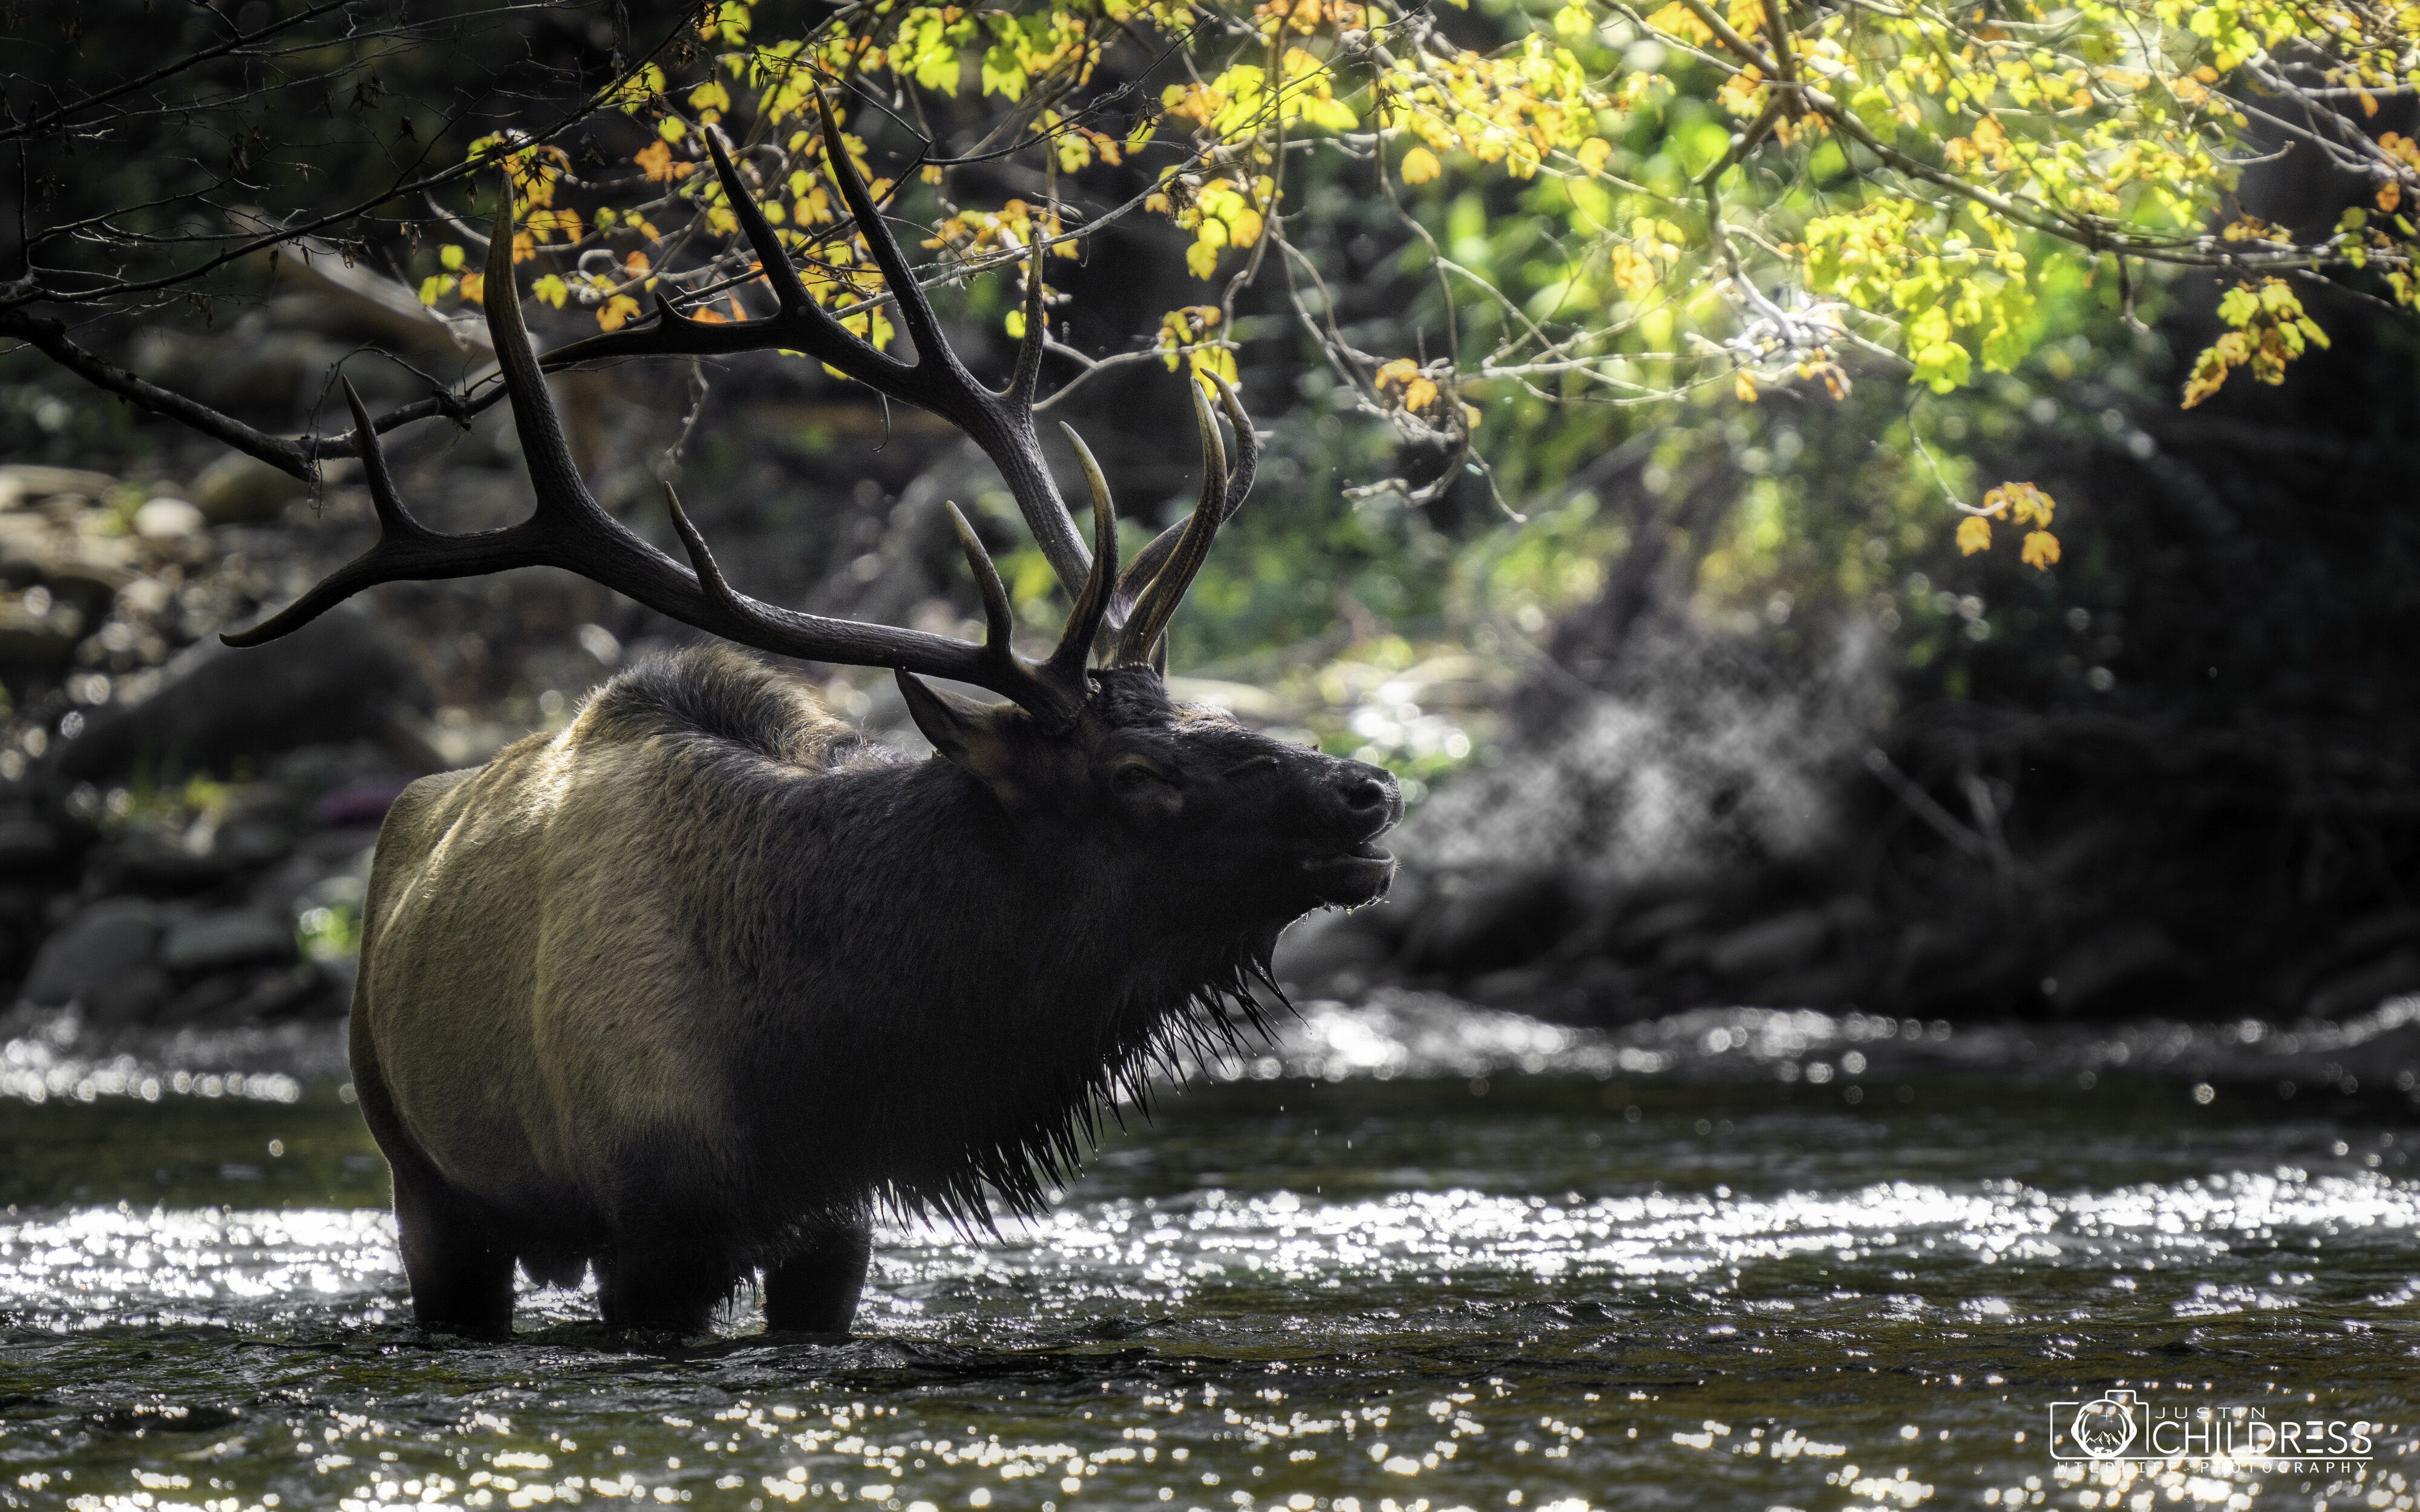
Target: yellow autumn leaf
{"x": 1680, "y": 21}
{"x": 1421, "y": 165}
{"x": 1974, "y": 535}
{"x": 1745, "y": 386}
{"x": 551, "y": 291}
{"x": 2025, "y": 504}
{"x": 2041, "y": 549}
{"x": 1215, "y": 360}
{"x": 544, "y": 224}
{"x": 1632, "y": 273}
{"x": 618, "y": 309}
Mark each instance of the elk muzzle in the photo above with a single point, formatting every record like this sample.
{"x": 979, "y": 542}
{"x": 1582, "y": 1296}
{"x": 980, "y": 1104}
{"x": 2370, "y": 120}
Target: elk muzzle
{"x": 1353, "y": 803}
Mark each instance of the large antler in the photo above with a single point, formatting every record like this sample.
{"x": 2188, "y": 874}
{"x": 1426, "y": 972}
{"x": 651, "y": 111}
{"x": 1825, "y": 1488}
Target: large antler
{"x": 570, "y": 530}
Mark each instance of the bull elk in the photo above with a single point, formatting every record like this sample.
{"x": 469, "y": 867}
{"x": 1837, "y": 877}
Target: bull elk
{"x": 693, "y": 988}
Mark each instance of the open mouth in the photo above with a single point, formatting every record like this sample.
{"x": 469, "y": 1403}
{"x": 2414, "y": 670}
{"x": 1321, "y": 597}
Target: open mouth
{"x": 1356, "y": 876}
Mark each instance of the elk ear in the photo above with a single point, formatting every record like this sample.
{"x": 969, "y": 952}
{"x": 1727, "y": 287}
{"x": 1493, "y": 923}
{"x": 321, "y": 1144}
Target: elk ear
{"x": 967, "y": 734}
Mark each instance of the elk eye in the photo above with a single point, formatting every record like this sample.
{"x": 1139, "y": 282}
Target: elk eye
{"x": 1135, "y": 776}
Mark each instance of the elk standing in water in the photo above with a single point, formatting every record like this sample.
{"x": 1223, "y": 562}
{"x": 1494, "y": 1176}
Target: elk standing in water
{"x": 690, "y": 989}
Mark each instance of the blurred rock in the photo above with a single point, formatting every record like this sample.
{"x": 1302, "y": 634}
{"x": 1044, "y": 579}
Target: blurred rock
{"x": 70, "y": 567}
{"x": 27, "y": 846}
{"x": 225, "y": 940}
{"x": 155, "y": 864}
{"x": 342, "y": 295}
{"x": 2368, "y": 984}
{"x": 1332, "y": 954}
{"x": 2122, "y": 958}
{"x": 341, "y": 677}
{"x": 358, "y": 805}
{"x": 303, "y": 990}
{"x": 1645, "y": 932}
{"x": 258, "y": 996}
{"x": 44, "y": 642}
{"x": 135, "y": 998}
{"x": 280, "y": 889}
{"x": 1771, "y": 945}
{"x": 246, "y": 367}
{"x": 22, "y": 483}
{"x": 239, "y": 488}
{"x": 1521, "y": 989}
{"x": 1487, "y": 921}
{"x": 169, "y": 519}
{"x": 103, "y": 958}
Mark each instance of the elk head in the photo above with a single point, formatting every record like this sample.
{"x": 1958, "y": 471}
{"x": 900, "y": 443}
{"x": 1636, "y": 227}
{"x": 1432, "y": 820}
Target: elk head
{"x": 1089, "y": 744}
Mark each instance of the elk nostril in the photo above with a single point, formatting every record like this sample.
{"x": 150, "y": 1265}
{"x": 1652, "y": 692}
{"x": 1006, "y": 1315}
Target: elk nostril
{"x": 1366, "y": 795}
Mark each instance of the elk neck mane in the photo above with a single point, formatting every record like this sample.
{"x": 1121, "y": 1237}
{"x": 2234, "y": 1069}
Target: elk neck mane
{"x": 994, "y": 986}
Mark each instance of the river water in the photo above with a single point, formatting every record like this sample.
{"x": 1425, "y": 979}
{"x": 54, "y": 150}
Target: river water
{"x": 1417, "y": 1257}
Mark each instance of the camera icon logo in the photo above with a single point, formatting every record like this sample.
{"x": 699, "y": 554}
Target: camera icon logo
{"x": 2105, "y": 1426}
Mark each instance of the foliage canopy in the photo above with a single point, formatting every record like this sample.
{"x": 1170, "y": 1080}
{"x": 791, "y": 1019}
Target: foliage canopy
{"x": 1746, "y": 198}
{"x": 1619, "y": 206}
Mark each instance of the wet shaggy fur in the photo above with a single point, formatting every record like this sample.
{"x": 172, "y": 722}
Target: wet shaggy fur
{"x": 693, "y": 986}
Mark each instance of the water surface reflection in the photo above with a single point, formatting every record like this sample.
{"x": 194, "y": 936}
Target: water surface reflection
{"x": 1413, "y": 1259}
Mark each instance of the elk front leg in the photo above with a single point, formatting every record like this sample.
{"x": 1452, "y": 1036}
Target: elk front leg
{"x": 815, "y": 1290}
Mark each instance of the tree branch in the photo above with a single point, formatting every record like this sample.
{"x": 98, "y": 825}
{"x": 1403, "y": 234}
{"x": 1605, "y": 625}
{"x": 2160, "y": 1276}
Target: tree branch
{"x": 50, "y": 337}
{"x": 43, "y": 123}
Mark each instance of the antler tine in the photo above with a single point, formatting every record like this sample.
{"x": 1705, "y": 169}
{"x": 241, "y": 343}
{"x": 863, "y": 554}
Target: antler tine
{"x": 561, "y": 494}
{"x": 915, "y": 310}
{"x": 701, "y": 560}
{"x": 394, "y": 520}
{"x": 1028, "y": 374}
{"x": 1066, "y": 664}
{"x": 803, "y": 325}
{"x": 1138, "y": 642}
{"x": 1247, "y": 459}
{"x": 1000, "y": 423}
{"x": 999, "y": 619}
{"x": 773, "y": 258}
{"x": 571, "y": 530}
{"x": 1148, "y": 561}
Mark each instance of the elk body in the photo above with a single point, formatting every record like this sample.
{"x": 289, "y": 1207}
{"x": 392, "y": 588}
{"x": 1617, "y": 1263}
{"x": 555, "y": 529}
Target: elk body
{"x": 690, "y": 989}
